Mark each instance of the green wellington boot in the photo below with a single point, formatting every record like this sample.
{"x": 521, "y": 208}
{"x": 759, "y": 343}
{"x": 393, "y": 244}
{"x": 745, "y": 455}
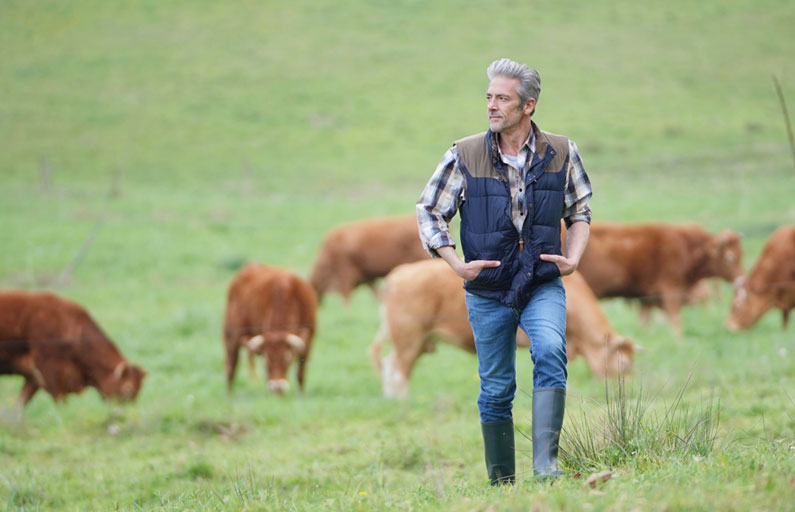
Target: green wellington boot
{"x": 548, "y": 405}
{"x": 499, "y": 447}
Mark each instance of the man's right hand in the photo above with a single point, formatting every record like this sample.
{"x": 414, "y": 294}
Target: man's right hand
{"x": 471, "y": 270}
{"x": 468, "y": 271}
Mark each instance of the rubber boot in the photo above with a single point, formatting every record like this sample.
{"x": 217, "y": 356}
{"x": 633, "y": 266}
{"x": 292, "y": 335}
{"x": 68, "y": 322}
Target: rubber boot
{"x": 548, "y": 406}
{"x": 499, "y": 447}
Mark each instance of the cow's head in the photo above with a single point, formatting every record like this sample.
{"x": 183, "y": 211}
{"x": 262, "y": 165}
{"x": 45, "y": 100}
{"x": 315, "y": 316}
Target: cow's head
{"x": 126, "y": 381}
{"x": 617, "y": 357}
{"x": 726, "y": 255}
{"x": 748, "y": 305}
{"x": 279, "y": 350}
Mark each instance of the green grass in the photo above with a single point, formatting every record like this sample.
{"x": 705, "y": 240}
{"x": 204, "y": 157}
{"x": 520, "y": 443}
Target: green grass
{"x": 193, "y": 136}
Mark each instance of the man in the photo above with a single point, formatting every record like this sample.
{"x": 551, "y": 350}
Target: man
{"x": 512, "y": 184}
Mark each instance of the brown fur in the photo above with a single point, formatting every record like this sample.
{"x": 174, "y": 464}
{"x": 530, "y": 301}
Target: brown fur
{"x": 770, "y": 284}
{"x": 424, "y": 302}
{"x": 273, "y": 303}
{"x": 659, "y": 264}
{"x": 55, "y": 344}
{"x": 360, "y": 252}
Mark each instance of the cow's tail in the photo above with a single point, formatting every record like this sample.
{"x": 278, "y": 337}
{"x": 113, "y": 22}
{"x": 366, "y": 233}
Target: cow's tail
{"x": 378, "y": 342}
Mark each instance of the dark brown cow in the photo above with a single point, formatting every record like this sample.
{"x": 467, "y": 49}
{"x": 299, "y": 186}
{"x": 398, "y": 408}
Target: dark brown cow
{"x": 270, "y": 311}
{"x": 55, "y": 345}
{"x": 660, "y": 264}
{"x": 770, "y": 284}
{"x": 425, "y": 301}
{"x": 361, "y": 252}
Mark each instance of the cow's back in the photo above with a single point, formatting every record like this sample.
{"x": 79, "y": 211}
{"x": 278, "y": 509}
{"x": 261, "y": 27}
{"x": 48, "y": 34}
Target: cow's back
{"x": 624, "y": 260}
{"x": 776, "y": 264}
{"x": 390, "y": 242}
{"x": 262, "y": 298}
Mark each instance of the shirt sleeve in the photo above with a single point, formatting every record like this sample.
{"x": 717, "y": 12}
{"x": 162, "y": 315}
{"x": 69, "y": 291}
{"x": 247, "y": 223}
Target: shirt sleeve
{"x": 578, "y": 190}
{"x": 439, "y": 202}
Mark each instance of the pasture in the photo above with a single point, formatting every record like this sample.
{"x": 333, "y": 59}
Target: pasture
{"x": 150, "y": 149}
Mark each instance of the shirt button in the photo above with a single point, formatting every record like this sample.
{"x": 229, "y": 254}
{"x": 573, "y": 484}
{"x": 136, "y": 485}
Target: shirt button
{"x": 530, "y": 205}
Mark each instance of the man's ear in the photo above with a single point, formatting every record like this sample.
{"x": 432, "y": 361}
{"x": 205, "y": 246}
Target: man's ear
{"x": 529, "y": 106}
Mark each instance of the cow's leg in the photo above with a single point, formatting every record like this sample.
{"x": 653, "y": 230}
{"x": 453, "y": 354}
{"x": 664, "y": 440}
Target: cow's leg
{"x": 784, "y": 318}
{"x": 672, "y": 304}
{"x": 378, "y": 341}
{"x": 231, "y": 364}
{"x": 252, "y": 370}
{"x": 349, "y": 278}
{"x": 300, "y": 374}
{"x": 409, "y": 345}
{"x": 645, "y": 314}
{"x": 28, "y": 390}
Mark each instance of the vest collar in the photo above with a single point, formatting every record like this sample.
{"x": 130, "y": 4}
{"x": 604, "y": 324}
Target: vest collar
{"x": 495, "y": 153}
{"x": 540, "y": 139}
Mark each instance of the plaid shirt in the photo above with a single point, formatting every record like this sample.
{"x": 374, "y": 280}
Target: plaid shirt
{"x": 446, "y": 191}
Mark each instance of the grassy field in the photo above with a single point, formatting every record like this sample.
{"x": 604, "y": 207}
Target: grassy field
{"x": 189, "y": 137}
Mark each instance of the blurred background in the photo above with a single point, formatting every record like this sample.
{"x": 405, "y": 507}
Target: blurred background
{"x": 148, "y": 149}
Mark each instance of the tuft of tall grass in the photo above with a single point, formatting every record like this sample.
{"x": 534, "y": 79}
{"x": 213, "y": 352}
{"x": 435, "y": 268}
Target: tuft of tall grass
{"x": 628, "y": 431}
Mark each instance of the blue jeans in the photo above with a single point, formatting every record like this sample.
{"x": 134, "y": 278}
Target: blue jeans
{"x": 494, "y": 325}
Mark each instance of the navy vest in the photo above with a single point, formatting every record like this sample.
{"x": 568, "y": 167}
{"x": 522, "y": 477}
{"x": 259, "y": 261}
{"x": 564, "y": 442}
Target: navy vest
{"x": 487, "y": 232}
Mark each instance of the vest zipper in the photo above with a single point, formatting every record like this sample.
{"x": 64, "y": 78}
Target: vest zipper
{"x": 521, "y": 244}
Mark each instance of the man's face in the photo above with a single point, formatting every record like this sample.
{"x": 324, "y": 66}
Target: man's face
{"x": 502, "y": 101}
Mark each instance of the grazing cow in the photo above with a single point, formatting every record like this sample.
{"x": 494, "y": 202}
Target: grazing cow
{"x": 270, "y": 311}
{"x": 361, "y": 252}
{"x": 660, "y": 264}
{"x": 424, "y": 301}
{"x": 770, "y": 284}
{"x": 55, "y": 344}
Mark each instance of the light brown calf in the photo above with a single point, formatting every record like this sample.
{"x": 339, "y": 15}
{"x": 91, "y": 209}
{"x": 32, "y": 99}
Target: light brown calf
{"x": 425, "y": 301}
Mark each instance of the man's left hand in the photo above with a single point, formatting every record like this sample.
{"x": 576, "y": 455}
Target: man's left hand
{"x": 565, "y": 265}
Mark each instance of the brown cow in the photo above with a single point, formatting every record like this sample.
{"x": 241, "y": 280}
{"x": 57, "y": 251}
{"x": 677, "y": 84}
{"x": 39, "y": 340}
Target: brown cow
{"x": 55, "y": 344}
{"x": 424, "y": 301}
{"x": 660, "y": 264}
{"x": 270, "y": 311}
{"x": 770, "y": 284}
{"x": 361, "y": 252}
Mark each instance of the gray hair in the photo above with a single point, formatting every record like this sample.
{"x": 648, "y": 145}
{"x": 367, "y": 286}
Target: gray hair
{"x": 529, "y": 80}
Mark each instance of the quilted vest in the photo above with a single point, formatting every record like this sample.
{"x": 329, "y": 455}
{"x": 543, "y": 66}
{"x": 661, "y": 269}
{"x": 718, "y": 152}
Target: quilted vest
{"x": 487, "y": 232}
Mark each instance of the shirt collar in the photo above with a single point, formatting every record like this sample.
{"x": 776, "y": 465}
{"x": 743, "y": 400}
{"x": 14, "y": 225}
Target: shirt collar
{"x": 529, "y": 145}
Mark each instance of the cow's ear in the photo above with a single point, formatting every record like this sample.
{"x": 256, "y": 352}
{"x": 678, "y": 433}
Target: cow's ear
{"x": 296, "y": 343}
{"x": 139, "y": 370}
{"x": 624, "y": 343}
{"x": 727, "y": 237}
{"x": 118, "y": 372}
{"x": 256, "y": 342}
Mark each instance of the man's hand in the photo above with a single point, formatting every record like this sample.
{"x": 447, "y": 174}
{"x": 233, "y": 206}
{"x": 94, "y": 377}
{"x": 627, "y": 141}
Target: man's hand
{"x": 565, "y": 265}
{"x": 471, "y": 270}
{"x": 576, "y": 239}
{"x": 468, "y": 271}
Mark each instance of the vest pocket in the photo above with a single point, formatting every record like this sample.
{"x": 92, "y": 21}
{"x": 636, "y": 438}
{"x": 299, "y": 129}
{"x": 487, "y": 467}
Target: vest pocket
{"x": 495, "y": 278}
{"x": 546, "y": 270}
